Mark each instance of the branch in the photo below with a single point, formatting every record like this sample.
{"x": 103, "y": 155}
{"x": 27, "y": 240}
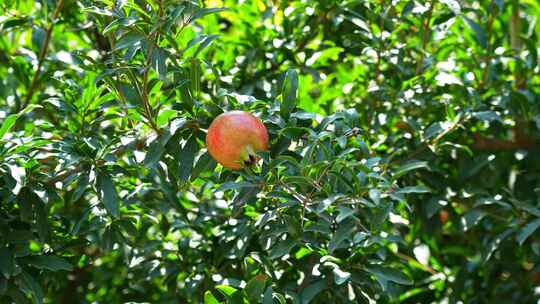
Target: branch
{"x": 518, "y": 142}
{"x": 42, "y": 54}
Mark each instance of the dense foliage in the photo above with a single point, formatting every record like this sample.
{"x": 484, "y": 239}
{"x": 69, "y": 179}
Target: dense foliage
{"x": 404, "y": 163}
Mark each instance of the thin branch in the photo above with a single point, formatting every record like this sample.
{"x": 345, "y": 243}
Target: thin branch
{"x": 42, "y": 54}
{"x": 411, "y": 259}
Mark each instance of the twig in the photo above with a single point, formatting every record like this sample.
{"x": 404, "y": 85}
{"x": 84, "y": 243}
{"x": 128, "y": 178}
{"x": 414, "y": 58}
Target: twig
{"x": 424, "y": 267}
{"x": 42, "y": 54}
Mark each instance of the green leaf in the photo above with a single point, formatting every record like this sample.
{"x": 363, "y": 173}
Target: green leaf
{"x": 38, "y": 38}
{"x": 384, "y": 274}
{"x": 205, "y": 42}
{"x": 158, "y": 62}
{"x": 435, "y": 129}
{"x": 7, "y": 124}
{"x": 3, "y": 286}
{"x": 375, "y": 196}
{"x": 209, "y": 298}
{"x": 487, "y": 116}
{"x": 30, "y": 286}
{"x": 282, "y": 248}
{"x": 311, "y": 291}
{"x": 495, "y": 242}
{"x": 195, "y": 77}
{"x": 227, "y": 291}
{"x": 129, "y": 93}
{"x": 186, "y": 158}
{"x": 42, "y": 219}
{"x": 231, "y": 185}
{"x": 413, "y": 165}
{"x": 472, "y": 218}
{"x": 479, "y": 32}
{"x": 268, "y": 297}
{"x": 49, "y": 262}
{"x": 7, "y": 262}
{"x": 156, "y": 149}
{"x": 206, "y": 11}
{"x": 13, "y": 22}
{"x": 344, "y": 212}
{"x": 526, "y": 231}
{"x": 345, "y": 230}
{"x": 27, "y": 200}
{"x": 341, "y": 276}
{"x": 415, "y": 189}
{"x": 128, "y": 40}
{"x": 205, "y": 163}
{"x": 289, "y": 93}
{"x": 9, "y": 121}
{"x": 107, "y": 193}
{"x": 255, "y": 288}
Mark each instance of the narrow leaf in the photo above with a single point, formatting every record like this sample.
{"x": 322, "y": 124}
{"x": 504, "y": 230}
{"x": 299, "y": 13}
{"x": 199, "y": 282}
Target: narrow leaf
{"x": 289, "y": 93}
{"x": 158, "y": 62}
{"x": 50, "y": 262}
{"x": 282, "y": 248}
{"x": 414, "y": 165}
{"x": 107, "y": 193}
{"x": 526, "y": 231}
{"x": 209, "y": 298}
{"x": 7, "y": 262}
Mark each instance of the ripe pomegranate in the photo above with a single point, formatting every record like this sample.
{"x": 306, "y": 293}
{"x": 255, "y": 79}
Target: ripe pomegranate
{"x": 234, "y": 137}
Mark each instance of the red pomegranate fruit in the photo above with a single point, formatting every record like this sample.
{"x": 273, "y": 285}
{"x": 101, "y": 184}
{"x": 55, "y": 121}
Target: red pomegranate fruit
{"x": 234, "y": 138}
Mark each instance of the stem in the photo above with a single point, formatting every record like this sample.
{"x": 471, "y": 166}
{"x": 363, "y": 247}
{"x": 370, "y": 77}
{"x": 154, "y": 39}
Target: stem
{"x": 42, "y": 54}
{"x": 425, "y": 37}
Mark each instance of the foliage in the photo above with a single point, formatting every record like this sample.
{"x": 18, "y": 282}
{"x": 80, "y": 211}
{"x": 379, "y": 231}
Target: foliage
{"x": 403, "y": 167}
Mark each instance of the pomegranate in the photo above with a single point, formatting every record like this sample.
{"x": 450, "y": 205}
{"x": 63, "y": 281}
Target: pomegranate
{"x": 234, "y": 138}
